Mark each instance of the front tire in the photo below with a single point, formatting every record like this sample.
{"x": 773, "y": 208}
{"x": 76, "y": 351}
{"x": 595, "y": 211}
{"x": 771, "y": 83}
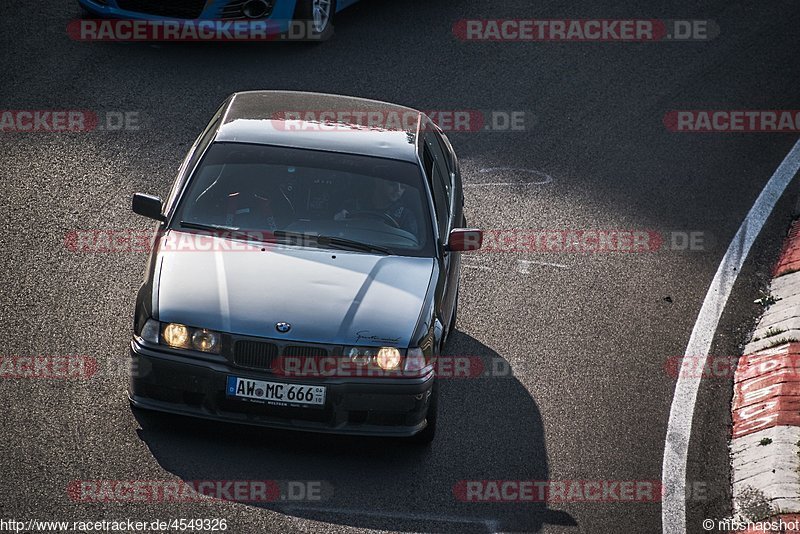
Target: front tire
{"x": 318, "y": 16}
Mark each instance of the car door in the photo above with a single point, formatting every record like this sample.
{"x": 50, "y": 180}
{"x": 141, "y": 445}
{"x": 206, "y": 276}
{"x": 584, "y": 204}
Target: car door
{"x": 455, "y": 195}
{"x": 440, "y": 167}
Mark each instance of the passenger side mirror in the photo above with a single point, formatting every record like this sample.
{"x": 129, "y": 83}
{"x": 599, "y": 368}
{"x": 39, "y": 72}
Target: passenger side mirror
{"x": 148, "y": 206}
{"x": 464, "y": 240}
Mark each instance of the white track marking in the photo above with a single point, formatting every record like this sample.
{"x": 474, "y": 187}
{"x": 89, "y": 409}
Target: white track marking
{"x": 544, "y": 178}
{"x": 481, "y": 267}
{"x": 522, "y": 265}
{"x": 679, "y": 429}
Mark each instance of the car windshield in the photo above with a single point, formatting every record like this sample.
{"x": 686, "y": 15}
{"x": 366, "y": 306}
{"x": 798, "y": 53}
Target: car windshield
{"x": 350, "y": 200}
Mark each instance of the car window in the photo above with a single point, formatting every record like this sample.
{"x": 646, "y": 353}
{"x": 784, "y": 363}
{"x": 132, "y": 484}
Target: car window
{"x": 371, "y": 200}
{"x": 440, "y": 159}
{"x": 448, "y": 155}
{"x": 198, "y": 148}
{"x": 435, "y": 173}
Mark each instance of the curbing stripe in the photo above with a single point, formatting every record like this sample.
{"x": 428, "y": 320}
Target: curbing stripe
{"x": 779, "y": 434}
{"x": 789, "y": 259}
{"x": 755, "y": 365}
{"x": 763, "y": 388}
{"x": 770, "y": 468}
{"x": 684, "y": 399}
{"x": 787, "y": 285}
{"x": 765, "y": 441}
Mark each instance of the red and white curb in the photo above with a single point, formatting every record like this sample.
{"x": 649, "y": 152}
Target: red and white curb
{"x": 765, "y": 444}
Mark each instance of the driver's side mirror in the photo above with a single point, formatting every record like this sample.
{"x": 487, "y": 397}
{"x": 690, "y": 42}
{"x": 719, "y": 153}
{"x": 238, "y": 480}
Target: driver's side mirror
{"x": 464, "y": 239}
{"x": 149, "y": 206}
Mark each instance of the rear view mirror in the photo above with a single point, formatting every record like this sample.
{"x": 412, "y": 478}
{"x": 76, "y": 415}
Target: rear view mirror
{"x": 148, "y": 206}
{"x": 464, "y": 240}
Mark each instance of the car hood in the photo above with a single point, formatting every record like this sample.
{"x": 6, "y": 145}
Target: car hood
{"x": 327, "y": 296}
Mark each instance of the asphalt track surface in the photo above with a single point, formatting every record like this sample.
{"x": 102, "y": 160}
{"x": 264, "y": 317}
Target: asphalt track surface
{"x": 587, "y": 336}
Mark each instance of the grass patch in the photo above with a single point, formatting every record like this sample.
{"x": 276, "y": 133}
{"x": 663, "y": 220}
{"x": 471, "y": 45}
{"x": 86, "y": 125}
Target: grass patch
{"x": 766, "y": 299}
{"x": 772, "y": 331}
{"x": 753, "y": 504}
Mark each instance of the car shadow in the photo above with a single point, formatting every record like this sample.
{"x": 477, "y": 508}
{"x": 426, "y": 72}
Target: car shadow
{"x": 489, "y": 429}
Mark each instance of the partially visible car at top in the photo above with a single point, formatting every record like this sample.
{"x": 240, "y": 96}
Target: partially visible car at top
{"x": 319, "y": 14}
{"x": 349, "y": 250}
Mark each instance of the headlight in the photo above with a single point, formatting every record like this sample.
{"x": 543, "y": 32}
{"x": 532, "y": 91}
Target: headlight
{"x": 150, "y": 331}
{"x": 415, "y": 360}
{"x": 180, "y": 336}
{"x": 383, "y": 358}
{"x": 176, "y": 335}
{"x": 205, "y": 340}
{"x": 361, "y": 355}
{"x": 388, "y": 358}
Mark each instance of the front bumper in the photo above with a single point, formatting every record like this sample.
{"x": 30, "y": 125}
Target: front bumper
{"x": 281, "y": 14}
{"x": 173, "y": 383}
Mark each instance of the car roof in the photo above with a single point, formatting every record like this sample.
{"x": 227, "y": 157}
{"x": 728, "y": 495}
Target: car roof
{"x": 318, "y": 121}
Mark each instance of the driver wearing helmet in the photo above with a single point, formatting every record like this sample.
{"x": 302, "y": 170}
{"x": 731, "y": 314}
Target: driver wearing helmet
{"x": 387, "y": 202}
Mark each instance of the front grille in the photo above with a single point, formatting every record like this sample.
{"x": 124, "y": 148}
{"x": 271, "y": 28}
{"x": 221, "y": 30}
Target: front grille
{"x": 179, "y": 9}
{"x": 263, "y": 355}
{"x": 254, "y": 354}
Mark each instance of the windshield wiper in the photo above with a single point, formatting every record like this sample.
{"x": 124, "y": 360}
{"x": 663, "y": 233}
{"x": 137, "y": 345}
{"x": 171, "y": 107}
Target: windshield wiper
{"x": 212, "y": 227}
{"x": 230, "y": 232}
{"x": 341, "y": 243}
{"x": 349, "y": 244}
{"x": 297, "y": 238}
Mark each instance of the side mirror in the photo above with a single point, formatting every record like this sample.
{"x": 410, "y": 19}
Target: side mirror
{"x": 148, "y": 206}
{"x": 464, "y": 239}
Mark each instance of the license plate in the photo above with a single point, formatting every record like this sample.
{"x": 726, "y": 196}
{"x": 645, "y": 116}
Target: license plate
{"x": 275, "y": 393}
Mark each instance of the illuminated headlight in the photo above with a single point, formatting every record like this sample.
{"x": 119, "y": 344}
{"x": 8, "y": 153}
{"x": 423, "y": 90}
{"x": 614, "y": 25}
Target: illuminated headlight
{"x": 180, "y": 336}
{"x": 176, "y": 335}
{"x": 388, "y": 358}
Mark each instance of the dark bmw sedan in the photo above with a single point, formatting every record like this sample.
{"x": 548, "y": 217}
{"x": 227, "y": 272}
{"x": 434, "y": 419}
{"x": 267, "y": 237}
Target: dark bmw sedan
{"x": 305, "y": 269}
